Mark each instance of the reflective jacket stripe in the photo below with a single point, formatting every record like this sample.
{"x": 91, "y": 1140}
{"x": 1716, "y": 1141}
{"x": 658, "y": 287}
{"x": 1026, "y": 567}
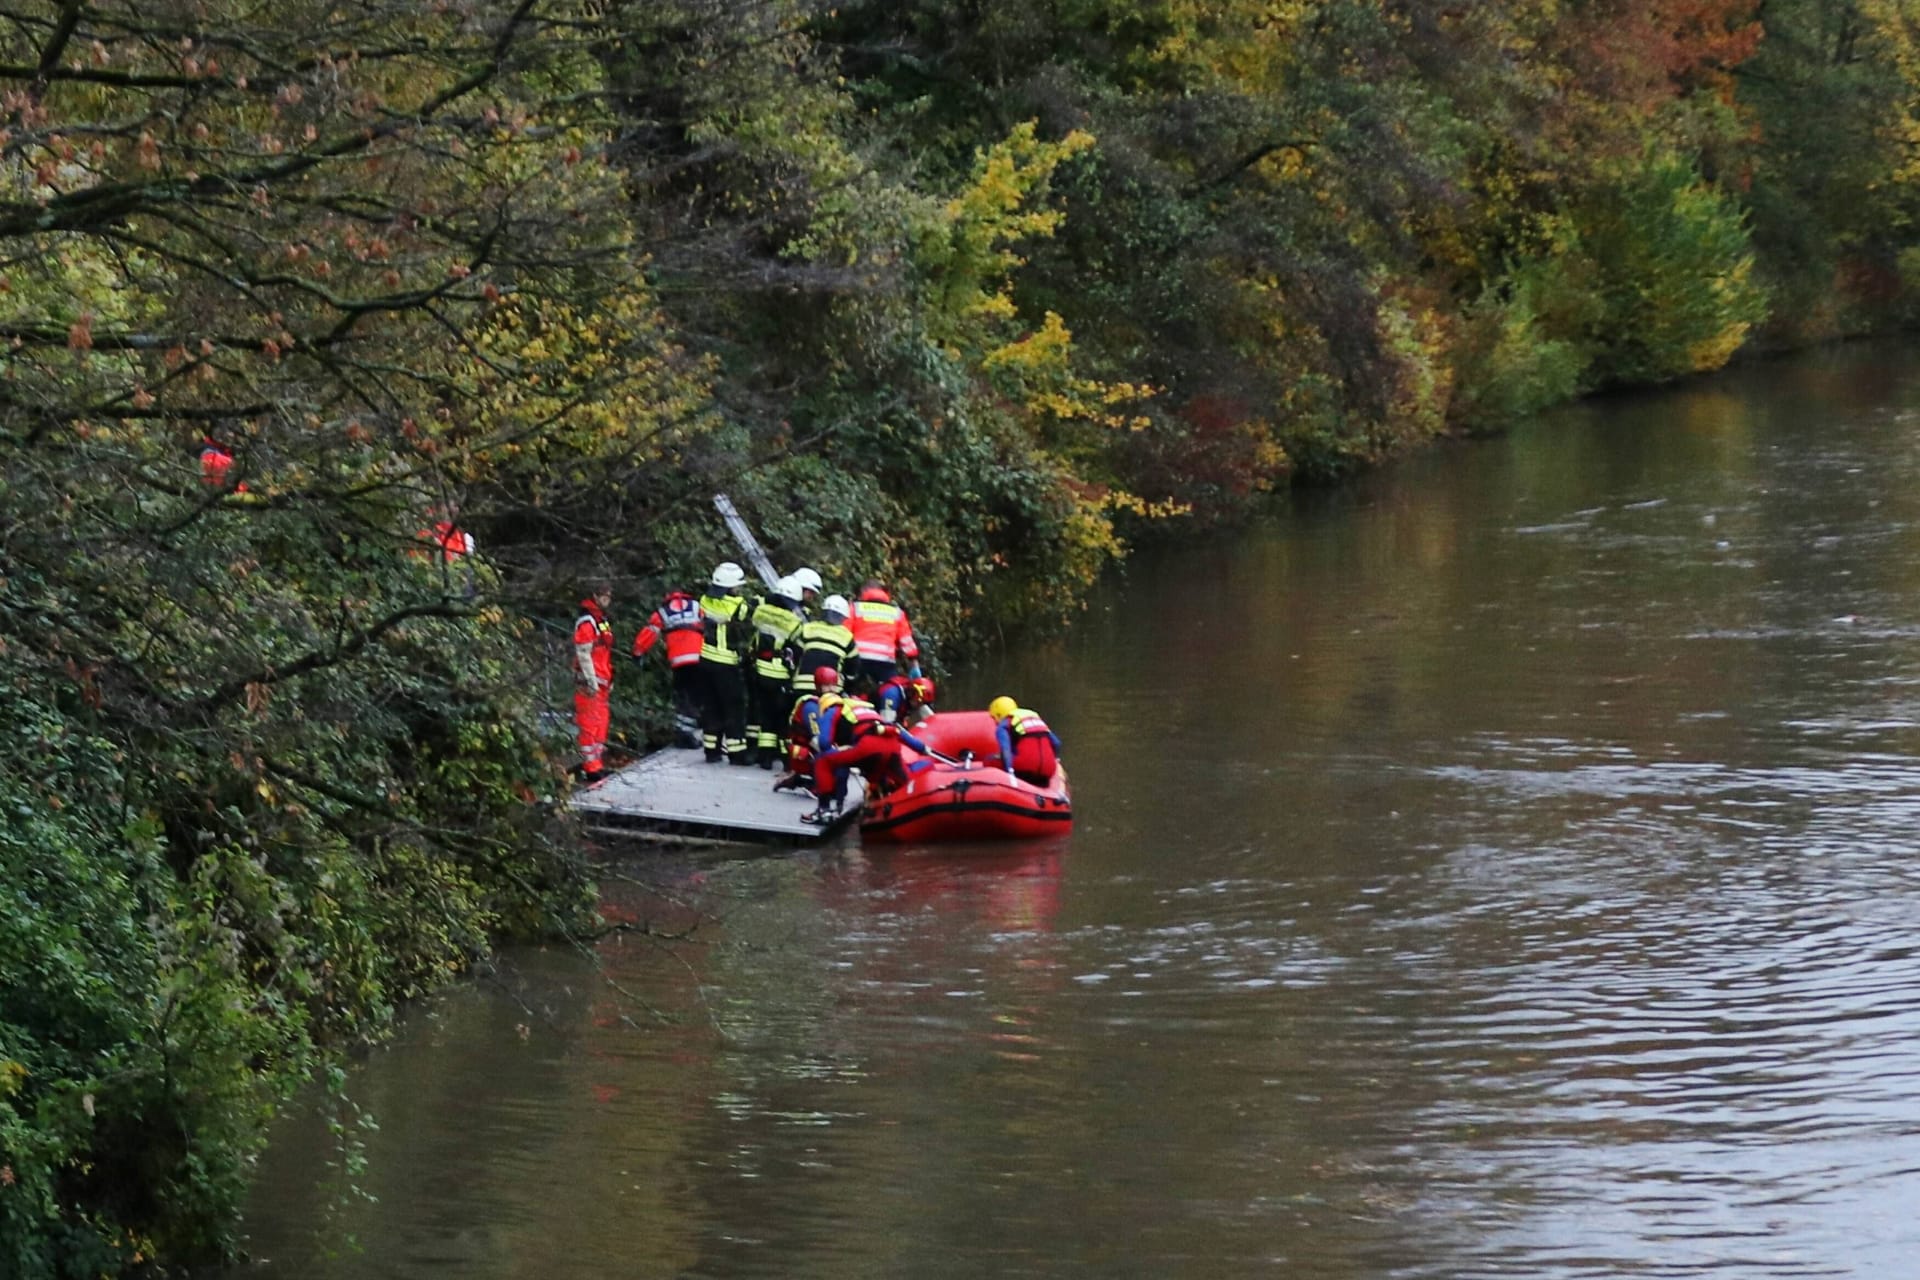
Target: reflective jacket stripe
{"x": 726, "y": 616}
{"x": 880, "y": 631}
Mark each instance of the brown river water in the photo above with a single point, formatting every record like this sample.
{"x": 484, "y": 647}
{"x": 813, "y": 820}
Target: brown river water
{"x": 1506, "y": 866}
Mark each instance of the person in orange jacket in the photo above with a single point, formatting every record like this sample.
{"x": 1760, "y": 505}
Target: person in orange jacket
{"x": 593, "y": 680}
{"x": 447, "y": 543}
{"x": 216, "y": 460}
{"x": 453, "y": 541}
{"x": 680, "y": 621}
{"x": 882, "y": 637}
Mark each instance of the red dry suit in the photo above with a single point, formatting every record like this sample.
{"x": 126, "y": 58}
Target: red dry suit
{"x": 872, "y": 745}
{"x": 592, "y": 708}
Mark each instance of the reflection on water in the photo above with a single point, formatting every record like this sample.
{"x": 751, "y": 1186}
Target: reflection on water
{"x": 1506, "y": 867}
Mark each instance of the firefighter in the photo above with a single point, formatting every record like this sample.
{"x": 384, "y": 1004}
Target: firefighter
{"x": 822, "y": 642}
{"x": 593, "y": 680}
{"x": 1028, "y": 749}
{"x": 881, "y": 635}
{"x": 678, "y": 621}
{"x": 775, "y": 619}
{"x": 871, "y": 745}
{"x": 727, "y": 638}
{"x": 809, "y": 585}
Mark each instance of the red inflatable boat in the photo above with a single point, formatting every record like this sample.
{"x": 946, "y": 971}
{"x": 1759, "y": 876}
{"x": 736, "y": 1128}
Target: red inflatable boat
{"x": 971, "y": 798}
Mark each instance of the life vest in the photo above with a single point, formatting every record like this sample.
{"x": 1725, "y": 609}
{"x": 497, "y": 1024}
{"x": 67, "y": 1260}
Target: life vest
{"x": 841, "y": 727}
{"x": 863, "y": 720}
{"x": 821, "y": 644}
{"x": 727, "y": 635}
{"x": 1023, "y": 722}
{"x": 880, "y": 630}
{"x": 805, "y": 720}
{"x": 592, "y": 628}
{"x": 774, "y": 623}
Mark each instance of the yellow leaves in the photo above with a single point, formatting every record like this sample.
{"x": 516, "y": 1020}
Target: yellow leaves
{"x": 1896, "y": 34}
{"x": 1713, "y": 351}
{"x": 1118, "y": 500}
{"x": 965, "y": 246}
{"x": 1038, "y": 367}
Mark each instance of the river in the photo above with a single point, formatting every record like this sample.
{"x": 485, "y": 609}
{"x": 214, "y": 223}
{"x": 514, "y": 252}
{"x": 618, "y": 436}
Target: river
{"x": 1508, "y": 865}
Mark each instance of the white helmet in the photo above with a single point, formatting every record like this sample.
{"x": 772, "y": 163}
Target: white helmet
{"x": 728, "y": 575}
{"x": 807, "y": 579}
{"x": 835, "y": 604}
{"x": 788, "y": 588}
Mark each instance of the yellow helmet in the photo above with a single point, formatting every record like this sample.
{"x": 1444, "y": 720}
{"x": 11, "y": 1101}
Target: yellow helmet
{"x": 1002, "y": 707}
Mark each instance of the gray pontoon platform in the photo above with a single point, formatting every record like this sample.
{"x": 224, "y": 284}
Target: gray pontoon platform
{"x": 676, "y": 792}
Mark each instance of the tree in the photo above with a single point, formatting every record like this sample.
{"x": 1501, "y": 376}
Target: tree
{"x": 280, "y": 755}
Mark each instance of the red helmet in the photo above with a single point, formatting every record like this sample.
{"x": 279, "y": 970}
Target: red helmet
{"x": 825, "y": 678}
{"x": 921, "y": 690}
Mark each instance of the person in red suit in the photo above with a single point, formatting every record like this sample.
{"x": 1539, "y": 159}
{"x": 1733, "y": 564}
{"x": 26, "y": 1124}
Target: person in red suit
{"x": 871, "y": 745}
{"x": 593, "y": 680}
{"x": 1028, "y": 749}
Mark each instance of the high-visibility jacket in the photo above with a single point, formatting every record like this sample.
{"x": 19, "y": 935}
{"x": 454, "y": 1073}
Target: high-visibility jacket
{"x": 592, "y": 629}
{"x": 774, "y": 621}
{"x": 215, "y": 462}
{"x": 679, "y": 619}
{"x": 450, "y": 538}
{"x": 454, "y": 541}
{"x": 880, "y": 630}
{"x": 727, "y": 634}
{"x": 819, "y": 644}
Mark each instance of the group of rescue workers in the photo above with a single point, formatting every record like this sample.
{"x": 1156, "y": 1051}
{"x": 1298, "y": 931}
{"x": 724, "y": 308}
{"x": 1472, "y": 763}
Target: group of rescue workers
{"x": 822, "y": 686}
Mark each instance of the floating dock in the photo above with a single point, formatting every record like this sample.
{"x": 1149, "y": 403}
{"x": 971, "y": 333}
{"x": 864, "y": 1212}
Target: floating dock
{"x": 676, "y": 793}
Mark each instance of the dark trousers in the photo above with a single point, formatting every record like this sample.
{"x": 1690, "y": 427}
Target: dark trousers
{"x": 688, "y": 694}
{"x": 723, "y": 711}
{"x": 879, "y": 672}
{"x": 772, "y": 704}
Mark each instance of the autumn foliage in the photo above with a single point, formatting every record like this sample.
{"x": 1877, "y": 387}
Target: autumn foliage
{"x": 962, "y": 295}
